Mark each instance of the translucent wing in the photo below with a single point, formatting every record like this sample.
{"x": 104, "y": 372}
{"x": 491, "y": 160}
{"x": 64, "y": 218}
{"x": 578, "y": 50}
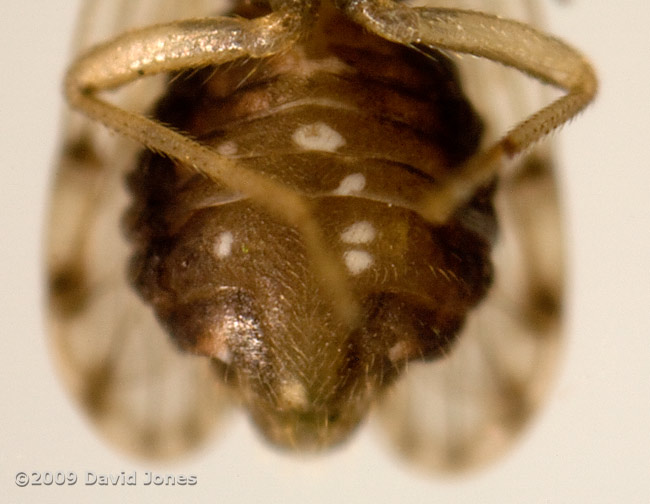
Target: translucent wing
{"x": 466, "y": 409}
{"x": 115, "y": 358}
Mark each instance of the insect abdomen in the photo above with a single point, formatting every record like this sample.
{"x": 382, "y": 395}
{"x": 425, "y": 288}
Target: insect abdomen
{"x": 363, "y": 128}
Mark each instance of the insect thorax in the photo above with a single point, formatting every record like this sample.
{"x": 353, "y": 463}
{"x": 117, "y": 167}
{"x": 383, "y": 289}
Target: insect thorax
{"x": 362, "y": 128}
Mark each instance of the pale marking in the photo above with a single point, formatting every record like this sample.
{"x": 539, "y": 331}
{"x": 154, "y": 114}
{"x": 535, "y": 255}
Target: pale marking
{"x": 359, "y": 232}
{"x": 311, "y": 102}
{"x": 227, "y": 148}
{"x": 317, "y": 137}
{"x": 224, "y": 354}
{"x": 357, "y": 261}
{"x": 293, "y": 394}
{"x": 351, "y": 184}
{"x": 398, "y": 352}
{"x": 215, "y": 345}
{"x": 298, "y": 62}
{"x": 223, "y": 245}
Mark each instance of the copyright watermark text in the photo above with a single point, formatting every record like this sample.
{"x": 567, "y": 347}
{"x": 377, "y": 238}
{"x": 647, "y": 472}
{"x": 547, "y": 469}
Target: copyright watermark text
{"x": 90, "y": 478}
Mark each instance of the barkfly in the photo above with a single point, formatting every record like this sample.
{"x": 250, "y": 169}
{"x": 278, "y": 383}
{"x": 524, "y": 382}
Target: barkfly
{"x": 316, "y": 222}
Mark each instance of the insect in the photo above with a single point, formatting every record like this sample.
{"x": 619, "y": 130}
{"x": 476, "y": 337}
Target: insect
{"x": 321, "y": 225}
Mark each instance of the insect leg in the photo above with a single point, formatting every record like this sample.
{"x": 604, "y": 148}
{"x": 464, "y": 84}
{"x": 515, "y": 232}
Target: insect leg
{"x": 509, "y": 42}
{"x": 196, "y": 43}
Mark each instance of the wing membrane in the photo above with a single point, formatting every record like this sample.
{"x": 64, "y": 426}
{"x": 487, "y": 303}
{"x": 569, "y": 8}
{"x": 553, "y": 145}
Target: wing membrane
{"x": 116, "y": 360}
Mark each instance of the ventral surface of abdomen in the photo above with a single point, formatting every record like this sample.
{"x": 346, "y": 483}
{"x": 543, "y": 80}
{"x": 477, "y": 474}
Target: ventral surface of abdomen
{"x": 361, "y": 128}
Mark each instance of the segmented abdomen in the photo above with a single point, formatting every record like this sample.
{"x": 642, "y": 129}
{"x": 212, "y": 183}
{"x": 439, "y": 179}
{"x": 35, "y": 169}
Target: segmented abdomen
{"x": 361, "y": 127}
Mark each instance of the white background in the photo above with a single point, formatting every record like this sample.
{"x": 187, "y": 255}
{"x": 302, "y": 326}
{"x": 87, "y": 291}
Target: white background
{"x": 591, "y": 444}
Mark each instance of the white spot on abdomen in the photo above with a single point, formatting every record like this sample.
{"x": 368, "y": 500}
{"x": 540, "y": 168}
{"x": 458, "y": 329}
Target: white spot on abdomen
{"x": 317, "y": 136}
{"x": 359, "y": 232}
{"x": 228, "y": 148}
{"x": 357, "y": 261}
{"x": 223, "y": 354}
{"x": 223, "y": 244}
{"x": 293, "y": 394}
{"x": 351, "y": 184}
{"x": 400, "y": 351}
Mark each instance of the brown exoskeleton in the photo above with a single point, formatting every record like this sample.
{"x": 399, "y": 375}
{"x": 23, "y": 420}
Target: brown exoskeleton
{"x": 317, "y": 223}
